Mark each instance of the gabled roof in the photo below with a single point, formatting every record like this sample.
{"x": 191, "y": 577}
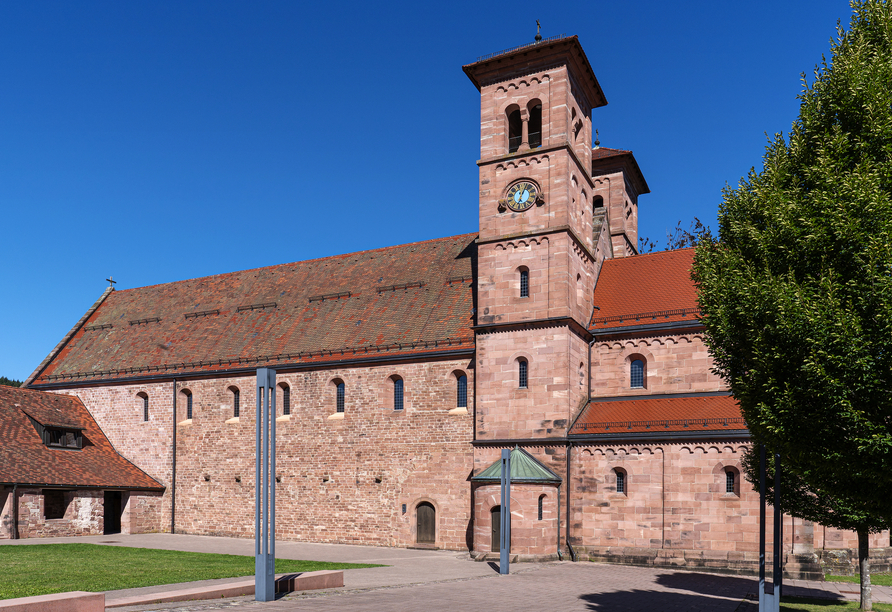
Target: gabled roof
{"x": 524, "y": 468}
{"x": 25, "y": 459}
{"x": 402, "y": 300}
{"x": 645, "y": 290}
{"x": 660, "y": 414}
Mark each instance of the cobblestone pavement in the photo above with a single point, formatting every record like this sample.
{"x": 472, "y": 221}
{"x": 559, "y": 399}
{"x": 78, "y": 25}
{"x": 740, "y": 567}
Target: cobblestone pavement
{"x": 557, "y": 586}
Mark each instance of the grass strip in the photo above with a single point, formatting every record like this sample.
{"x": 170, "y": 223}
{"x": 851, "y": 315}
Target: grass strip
{"x": 800, "y": 604}
{"x": 41, "y": 569}
{"x": 878, "y": 579}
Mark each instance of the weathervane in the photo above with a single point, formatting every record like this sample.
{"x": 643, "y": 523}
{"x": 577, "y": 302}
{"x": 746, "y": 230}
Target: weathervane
{"x": 111, "y": 282}
{"x": 597, "y": 142}
{"x": 538, "y": 35}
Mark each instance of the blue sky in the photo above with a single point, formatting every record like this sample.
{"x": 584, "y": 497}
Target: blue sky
{"x": 158, "y": 141}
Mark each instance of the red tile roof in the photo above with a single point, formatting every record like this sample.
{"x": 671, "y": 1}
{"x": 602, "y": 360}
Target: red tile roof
{"x": 659, "y": 414}
{"x": 645, "y": 289}
{"x": 25, "y": 459}
{"x": 400, "y": 300}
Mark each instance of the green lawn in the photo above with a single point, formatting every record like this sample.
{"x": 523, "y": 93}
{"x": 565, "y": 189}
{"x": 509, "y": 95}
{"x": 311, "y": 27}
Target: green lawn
{"x": 791, "y": 604}
{"x": 55, "y": 568}
{"x": 877, "y": 579}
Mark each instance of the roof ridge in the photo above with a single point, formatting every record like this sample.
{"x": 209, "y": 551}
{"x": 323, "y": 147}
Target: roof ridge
{"x": 302, "y": 261}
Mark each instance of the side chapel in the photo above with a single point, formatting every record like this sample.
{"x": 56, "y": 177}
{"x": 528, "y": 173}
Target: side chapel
{"x": 402, "y": 372}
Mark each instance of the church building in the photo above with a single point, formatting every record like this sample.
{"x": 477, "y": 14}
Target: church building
{"x": 403, "y": 372}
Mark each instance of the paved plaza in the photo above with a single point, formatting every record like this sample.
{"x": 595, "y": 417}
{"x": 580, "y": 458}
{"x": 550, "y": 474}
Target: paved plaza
{"x": 441, "y": 581}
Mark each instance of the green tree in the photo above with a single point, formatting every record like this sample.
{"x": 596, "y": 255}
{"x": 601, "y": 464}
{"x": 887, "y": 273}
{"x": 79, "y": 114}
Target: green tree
{"x": 9, "y": 382}
{"x": 679, "y": 238}
{"x": 796, "y": 291}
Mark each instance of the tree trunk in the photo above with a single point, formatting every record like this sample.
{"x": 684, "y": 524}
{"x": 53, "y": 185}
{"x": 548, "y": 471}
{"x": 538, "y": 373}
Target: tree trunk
{"x": 864, "y": 567}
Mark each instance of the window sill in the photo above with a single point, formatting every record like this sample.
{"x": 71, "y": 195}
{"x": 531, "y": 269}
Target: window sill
{"x": 185, "y": 423}
{"x": 460, "y": 410}
{"x": 337, "y": 416}
{"x": 232, "y": 421}
{"x": 284, "y": 417}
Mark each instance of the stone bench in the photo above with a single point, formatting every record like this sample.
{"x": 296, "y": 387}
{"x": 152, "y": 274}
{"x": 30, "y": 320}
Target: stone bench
{"x": 73, "y": 601}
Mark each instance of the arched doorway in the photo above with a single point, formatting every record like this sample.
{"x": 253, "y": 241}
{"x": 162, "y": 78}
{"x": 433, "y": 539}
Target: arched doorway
{"x": 495, "y": 516}
{"x": 426, "y": 523}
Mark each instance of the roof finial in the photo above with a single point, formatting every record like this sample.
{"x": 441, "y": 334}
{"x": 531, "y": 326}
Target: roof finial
{"x": 538, "y": 35}
{"x": 597, "y": 142}
{"x": 111, "y": 281}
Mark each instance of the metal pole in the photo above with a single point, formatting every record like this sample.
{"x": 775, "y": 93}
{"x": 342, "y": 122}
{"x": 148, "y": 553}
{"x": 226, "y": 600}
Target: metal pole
{"x": 505, "y": 514}
{"x": 264, "y": 488}
{"x": 762, "y": 477}
{"x": 778, "y": 531}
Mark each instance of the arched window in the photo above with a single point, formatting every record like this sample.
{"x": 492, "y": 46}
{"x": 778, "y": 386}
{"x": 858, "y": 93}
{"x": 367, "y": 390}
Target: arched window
{"x": 524, "y": 282}
{"x": 188, "y": 395}
{"x": 730, "y": 481}
{"x": 236, "y": 403}
{"x": 145, "y": 405}
{"x": 340, "y": 392}
{"x": 522, "y": 371}
{"x": 397, "y": 393}
{"x": 541, "y": 500}
{"x": 535, "y": 126}
{"x": 597, "y": 204}
{"x": 621, "y": 481}
{"x": 515, "y": 130}
{"x": 636, "y": 374}
{"x": 462, "y": 395}
{"x": 286, "y": 398}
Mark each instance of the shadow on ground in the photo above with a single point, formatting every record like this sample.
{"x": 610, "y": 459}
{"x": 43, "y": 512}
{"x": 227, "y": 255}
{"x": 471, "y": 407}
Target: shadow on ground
{"x": 731, "y": 586}
{"x": 687, "y": 592}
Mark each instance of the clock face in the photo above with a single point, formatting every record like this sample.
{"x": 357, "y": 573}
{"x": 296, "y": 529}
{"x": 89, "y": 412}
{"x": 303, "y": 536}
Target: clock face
{"x": 522, "y": 196}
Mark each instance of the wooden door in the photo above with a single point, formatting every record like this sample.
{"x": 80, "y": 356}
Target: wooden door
{"x": 426, "y": 518}
{"x": 496, "y": 516}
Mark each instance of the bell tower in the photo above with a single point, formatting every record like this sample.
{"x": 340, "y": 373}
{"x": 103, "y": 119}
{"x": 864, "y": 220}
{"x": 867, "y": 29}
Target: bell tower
{"x": 537, "y": 250}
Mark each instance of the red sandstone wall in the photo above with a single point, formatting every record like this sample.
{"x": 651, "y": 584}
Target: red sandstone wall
{"x": 553, "y": 392}
{"x": 675, "y": 364}
{"x": 529, "y": 535}
{"x": 83, "y": 516}
{"x": 676, "y": 501}
{"x": 328, "y": 466}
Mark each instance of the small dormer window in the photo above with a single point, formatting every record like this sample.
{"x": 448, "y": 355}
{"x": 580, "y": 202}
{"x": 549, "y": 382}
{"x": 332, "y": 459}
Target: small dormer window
{"x": 56, "y": 437}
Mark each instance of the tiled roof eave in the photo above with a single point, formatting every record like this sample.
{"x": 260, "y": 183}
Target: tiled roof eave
{"x": 106, "y": 487}
{"x": 467, "y": 346}
{"x": 705, "y": 434}
{"x": 649, "y": 327}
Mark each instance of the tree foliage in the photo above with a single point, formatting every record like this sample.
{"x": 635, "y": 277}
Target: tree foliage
{"x": 9, "y": 382}
{"x": 796, "y": 291}
{"x": 679, "y": 238}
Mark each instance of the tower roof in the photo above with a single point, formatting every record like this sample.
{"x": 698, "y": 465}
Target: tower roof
{"x": 606, "y": 161}
{"x": 525, "y": 58}
{"x": 524, "y": 468}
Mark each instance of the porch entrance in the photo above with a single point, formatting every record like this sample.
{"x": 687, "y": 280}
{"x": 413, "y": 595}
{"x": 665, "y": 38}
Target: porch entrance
{"x": 112, "y": 512}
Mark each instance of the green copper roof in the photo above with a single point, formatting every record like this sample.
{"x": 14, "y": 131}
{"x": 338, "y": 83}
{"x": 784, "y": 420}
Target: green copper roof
{"x": 524, "y": 468}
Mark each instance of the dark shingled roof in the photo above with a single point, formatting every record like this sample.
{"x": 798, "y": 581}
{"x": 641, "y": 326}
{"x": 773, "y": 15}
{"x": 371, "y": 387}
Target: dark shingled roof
{"x": 660, "y": 414}
{"x": 645, "y": 290}
{"x": 408, "y": 299}
{"x": 25, "y": 459}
